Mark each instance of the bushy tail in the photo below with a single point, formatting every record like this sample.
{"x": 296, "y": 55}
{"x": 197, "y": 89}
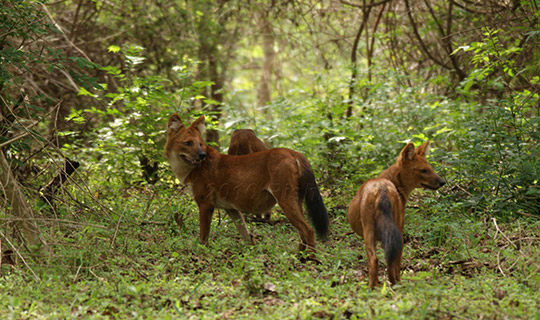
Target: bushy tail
{"x": 309, "y": 191}
{"x": 387, "y": 231}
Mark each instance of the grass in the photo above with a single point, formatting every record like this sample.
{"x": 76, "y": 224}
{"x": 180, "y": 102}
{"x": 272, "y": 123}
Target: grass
{"x": 137, "y": 262}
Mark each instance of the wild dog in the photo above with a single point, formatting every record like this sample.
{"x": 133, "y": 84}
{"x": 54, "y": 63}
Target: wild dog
{"x": 251, "y": 183}
{"x": 244, "y": 141}
{"x": 377, "y": 211}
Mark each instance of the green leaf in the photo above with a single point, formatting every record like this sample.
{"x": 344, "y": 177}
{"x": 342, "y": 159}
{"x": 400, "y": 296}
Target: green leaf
{"x": 84, "y": 92}
{"x": 113, "y": 48}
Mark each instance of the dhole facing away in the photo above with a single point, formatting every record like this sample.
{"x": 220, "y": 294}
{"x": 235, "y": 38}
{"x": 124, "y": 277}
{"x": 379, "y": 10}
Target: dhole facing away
{"x": 251, "y": 183}
{"x": 244, "y": 141}
{"x": 377, "y": 210}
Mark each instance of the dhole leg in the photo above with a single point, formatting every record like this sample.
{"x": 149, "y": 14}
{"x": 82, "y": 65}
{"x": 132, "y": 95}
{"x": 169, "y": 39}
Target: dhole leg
{"x": 293, "y": 211}
{"x": 240, "y": 223}
{"x": 394, "y": 269}
{"x": 398, "y": 269}
{"x": 393, "y": 272}
{"x": 373, "y": 262}
{"x": 205, "y": 220}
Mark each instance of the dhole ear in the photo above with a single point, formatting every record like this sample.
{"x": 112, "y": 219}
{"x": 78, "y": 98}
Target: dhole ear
{"x": 199, "y": 125}
{"x": 175, "y": 124}
{"x": 408, "y": 152}
{"x": 423, "y": 149}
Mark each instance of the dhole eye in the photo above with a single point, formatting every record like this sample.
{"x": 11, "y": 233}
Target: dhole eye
{"x": 188, "y": 143}
{"x": 424, "y": 171}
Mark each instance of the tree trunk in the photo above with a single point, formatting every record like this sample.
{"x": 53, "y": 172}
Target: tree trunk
{"x": 216, "y": 94}
{"x": 264, "y": 94}
{"x": 21, "y": 209}
{"x": 354, "y": 74}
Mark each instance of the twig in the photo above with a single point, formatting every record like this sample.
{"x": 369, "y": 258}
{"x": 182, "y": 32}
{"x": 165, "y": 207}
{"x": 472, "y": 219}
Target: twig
{"x": 70, "y": 80}
{"x": 116, "y": 230}
{"x": 157, "y": 223}
{"x": 137, "y": 269}
{"x": 77, "y": 273}
{"x": 513, "y": 264}
{"x": 15, "y": 139}
{"x": 95, "y": 275}
{"x": 528, "y": 214}
{"x": 63, "y": 33}
{"x": 499, "y": 263}
{"x": 462, "y": 189}
{"x": 19, "y": 254}
{"x": 162, "y": 207}
{"x": 499, "y": 230}
{"x": 26, "y": 128}
{"x": 55, "y": 220}
{"x": 363, "y": 6}
{"x": 148, "y": 205}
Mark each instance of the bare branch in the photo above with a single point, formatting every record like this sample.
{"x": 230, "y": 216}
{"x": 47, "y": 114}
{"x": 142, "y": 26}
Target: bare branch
{"x": 419, "y": 38}
{"x": 19, "y": 254}
{"x": 63, "y": 33}
{"x": 364, "y": 6}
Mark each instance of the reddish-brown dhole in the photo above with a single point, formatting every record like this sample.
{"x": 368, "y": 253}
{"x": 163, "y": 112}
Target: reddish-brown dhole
{"x": 251, "y": 183}
{"x": 244, "y": 141}
{"x": 377, "y": 211}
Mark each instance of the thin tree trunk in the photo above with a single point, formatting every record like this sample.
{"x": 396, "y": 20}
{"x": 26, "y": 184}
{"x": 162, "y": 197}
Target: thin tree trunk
{"x": 216, "y": 94}
{"x": 21, "y": 209}
{"x": 354, "y": 74}
{"x": 371, "y": 43}
{"x": 265, "y": 86}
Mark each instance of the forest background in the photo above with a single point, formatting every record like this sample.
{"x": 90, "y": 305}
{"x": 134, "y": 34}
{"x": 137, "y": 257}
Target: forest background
{"x": 93, "y": 223}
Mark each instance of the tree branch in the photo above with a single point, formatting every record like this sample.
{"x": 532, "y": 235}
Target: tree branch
{"x": 364, "y": 6}
{"x": 63, "y": 33}
{"x": 447, "y": 43}
{"x": 419, "y": 38}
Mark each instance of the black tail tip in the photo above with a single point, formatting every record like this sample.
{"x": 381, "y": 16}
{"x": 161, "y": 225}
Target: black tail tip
{"x": 321, "y": 226}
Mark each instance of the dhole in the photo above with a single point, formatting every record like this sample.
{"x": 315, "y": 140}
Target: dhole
{"x": 249, "y": 183}
{"x": 244, "y": 141}
{"x": 377, "y": 211}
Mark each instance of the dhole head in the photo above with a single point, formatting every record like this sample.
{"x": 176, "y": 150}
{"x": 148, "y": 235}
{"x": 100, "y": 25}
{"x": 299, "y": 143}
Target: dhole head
{"x": 185, "y": 143}
{"x": 415, "y": 171}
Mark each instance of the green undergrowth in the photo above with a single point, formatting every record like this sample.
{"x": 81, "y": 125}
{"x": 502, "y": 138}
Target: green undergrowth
{"x": 142, "y": 259}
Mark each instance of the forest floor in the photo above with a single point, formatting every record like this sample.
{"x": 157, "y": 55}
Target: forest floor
{"x": 141, "y": 258}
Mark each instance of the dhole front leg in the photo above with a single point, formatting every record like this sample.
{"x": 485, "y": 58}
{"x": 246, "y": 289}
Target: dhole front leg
{"x": 205, "y": 220}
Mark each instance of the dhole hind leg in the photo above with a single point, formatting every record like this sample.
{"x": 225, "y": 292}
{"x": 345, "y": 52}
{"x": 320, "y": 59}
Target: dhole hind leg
{"x": 373, "y": 262}
{"x": 240, "y": 223}
{"x": 294, "y": 212}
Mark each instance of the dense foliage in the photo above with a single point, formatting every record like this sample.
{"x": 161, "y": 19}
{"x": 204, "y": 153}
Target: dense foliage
{"x": 347, "y": 83}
